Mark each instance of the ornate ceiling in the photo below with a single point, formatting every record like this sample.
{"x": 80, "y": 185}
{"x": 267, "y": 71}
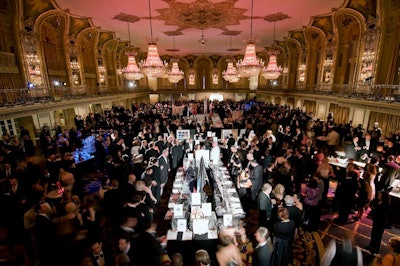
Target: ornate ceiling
{"x": 187, "y": 20}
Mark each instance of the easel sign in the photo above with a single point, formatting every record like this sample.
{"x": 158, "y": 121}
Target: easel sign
{"x": 178, "y": 210}
{"x": 196, "y": 198}
{"x": 206, "y": 208}
{"x": 227, "y": 220}
{"x": 182, "y": 225}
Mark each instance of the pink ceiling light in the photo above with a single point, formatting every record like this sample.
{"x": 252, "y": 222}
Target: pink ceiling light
{"x": 231, "y": 74}
{"x": 152, "y": 66}
{"x": 272, "y": 71}
{"x": 174, "y": 75}
{"x": 131, "y": 71}
{"x": 250, "y": 66}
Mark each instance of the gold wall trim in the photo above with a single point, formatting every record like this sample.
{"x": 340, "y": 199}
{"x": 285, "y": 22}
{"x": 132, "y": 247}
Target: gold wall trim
{"x": 57, "y": 73}
{"x": 90, "y": 75}
{"x": 9, "y": 70}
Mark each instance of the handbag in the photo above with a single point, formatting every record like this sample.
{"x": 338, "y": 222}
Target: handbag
{"x": 200, "y": 223}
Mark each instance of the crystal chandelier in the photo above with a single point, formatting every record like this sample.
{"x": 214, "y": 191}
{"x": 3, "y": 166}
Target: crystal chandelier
{"x": 152, "y": 66}
{"x": 102, "y": 72}
{"x": 75, "y": 65}
{"x": 250, "y": 66}
{"x": 272, "y": 71}
{"x": 231, "y": 74}
{"x": 131, "y": 71}
{"x": 367, "y": 66}
{"x": 174, "y": 75}
{"x": 302, "y": 72}
{"x": 192, "y": 77}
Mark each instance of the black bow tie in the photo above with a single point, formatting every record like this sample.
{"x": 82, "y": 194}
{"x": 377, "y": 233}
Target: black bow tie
{"x": 99, "y": 256}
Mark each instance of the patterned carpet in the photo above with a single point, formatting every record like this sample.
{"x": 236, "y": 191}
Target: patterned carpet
{"x": 306, "y": 249}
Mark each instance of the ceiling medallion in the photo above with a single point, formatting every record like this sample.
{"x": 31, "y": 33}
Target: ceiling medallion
{"x": 276, "y": 17}
{"x": 202, "y": 14}
{"x": 126, "y": 17}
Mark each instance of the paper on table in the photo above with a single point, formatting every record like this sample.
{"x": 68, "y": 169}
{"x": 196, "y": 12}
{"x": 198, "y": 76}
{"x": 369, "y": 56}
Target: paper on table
{"x": 178, "y": 210}
{"x": 206, "y": 208}
{"x": 235, "y": 199}
{"x": 182, "y": 225}
{"x": 172, "y": 235}
{"x": 227, "y": 220}
{"x": 187, "y": 235}
{"x": 212, "y": 234}
{"x": 196, "y": 198}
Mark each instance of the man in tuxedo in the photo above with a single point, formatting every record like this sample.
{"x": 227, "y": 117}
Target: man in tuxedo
{"x": 357, "y": 146}
{"x": 176, "y": 154}
{"x": 152, "y": 151}
{"x": 100, "y": 256}
{"x": 368, "y": 146}
{"x": 189, "y": 146}
{"x": 263, "y": 251}
{"x": 256, "y": 178}
{"x": 264, "y": 205}
{"x": 44, "y": 233}
{"x": 126, "y": 247}
{"x": 164, "y": 167}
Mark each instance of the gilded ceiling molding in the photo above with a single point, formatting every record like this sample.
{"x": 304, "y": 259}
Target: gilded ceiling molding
{"x": 365, "y": 8}
{"x": 325, "y": 23}
{"x": 298, "y": 35}
{"x": 53, "y": 18}
{"x": 35, "y": 8}
{"x": 341, "y": 14}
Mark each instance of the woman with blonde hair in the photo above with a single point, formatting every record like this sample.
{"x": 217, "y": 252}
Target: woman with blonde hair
{"x": 278, "y": 194}
{"x": 325, "y": 171}
{"x": 393, "y": 257}
{"x": 228, "y": 253}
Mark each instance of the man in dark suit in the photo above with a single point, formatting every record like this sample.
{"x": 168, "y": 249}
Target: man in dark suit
{"x": 265, "y": 205}
{"x": 164, "y": 167}
{"x": 152, "y": 151}
{"x": 176, "y": 154}
{"x": 189, "y": 145}
{"x": 357, "y": 147}
{"x": 256, "y": 177}
{"x": 44, "y": 233}
{"x": 368, "y": 145}
{"x": 126, "y": 247}
{"x": 263, "y": 251}
{"x": 100, "y": 255}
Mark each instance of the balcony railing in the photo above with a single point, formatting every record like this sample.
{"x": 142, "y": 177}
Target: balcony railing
{"x": 368, "y": 92}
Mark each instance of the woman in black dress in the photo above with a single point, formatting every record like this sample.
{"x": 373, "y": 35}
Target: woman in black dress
{"x": 283, "y": 240}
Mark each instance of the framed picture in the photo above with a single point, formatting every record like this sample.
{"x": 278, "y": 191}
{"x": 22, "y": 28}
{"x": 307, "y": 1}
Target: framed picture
{"x": 226, "y": 132}
{"x": 183, "y": 134}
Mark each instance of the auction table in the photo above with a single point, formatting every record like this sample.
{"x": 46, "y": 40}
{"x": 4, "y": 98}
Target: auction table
{"x": 197, "y": 218}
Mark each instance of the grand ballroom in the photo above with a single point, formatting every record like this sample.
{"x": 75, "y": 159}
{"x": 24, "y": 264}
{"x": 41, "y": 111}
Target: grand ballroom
{"x": 67, "y": 60}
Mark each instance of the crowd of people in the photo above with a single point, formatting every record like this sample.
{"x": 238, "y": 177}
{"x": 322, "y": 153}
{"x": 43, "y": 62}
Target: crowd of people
{"x": 279, "y": 165}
